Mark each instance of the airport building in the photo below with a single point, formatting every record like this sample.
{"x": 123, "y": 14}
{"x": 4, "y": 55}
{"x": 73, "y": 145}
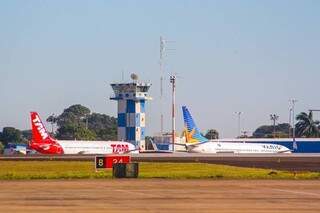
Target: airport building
{"x": 164, "y": 142}
{"x": 131, "y": 99}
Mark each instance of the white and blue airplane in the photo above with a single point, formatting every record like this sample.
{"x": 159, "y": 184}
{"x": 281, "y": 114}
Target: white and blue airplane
{"x": 195, "y": 142}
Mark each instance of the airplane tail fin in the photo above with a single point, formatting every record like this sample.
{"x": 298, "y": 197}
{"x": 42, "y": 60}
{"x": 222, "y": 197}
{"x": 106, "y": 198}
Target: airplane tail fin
{"x": 192, "y": 133}
{"x": 39, "y": 132}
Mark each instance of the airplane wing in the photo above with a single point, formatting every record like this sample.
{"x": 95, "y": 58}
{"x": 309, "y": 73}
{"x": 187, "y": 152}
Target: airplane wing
{"x": 286, "y": 151}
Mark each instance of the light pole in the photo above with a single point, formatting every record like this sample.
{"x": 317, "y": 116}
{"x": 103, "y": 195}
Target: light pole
{"x": 173, "y": 82}
{"x": 290, "y": 123}
{"x": 245, "y": 133}
{"x": 239, "y": 116}
{"x": 274, "y": 118}
{"x": 293, "y": 101}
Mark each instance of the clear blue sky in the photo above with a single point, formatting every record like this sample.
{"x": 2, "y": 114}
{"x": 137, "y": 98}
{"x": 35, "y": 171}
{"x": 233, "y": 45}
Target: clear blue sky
{"x": 249, "y": 56}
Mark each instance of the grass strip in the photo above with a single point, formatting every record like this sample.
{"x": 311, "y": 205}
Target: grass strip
{"x": 16, "y": 170}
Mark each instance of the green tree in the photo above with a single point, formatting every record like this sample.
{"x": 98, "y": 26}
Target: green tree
{"x": 85, "y": 134}
{"x": 11, "y": 135}
{"x": 70, "y": 123}
{"x": 26, "y": 134}
{"x": 66, "y": 132}
{"x": 306, "y": 126}
{"x": 103, "y": 125}
{"x": 76, "y": 122}
{"x": 1, "y": 147}
{"x": 283, "y": 128}
{"x": 74, "y": 114}
{"x": 266, "y": 131}
{"x": 74, "y": 132}
{"x": 212, "y": 134}
{"x": 1, "y": 144}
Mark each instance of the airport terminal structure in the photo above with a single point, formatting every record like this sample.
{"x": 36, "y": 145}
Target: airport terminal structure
{"x": 131, "y": 99}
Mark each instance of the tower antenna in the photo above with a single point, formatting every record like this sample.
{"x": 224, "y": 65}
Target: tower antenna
{"x": 162, "y": 49}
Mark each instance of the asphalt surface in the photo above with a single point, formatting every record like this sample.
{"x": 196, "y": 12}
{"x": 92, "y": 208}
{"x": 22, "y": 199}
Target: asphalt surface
{"x": 156, "y": 195}
{"x": 291, "y": 162}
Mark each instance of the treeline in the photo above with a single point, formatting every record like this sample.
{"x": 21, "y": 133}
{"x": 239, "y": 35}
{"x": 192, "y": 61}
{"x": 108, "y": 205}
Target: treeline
{"x": 281, "y": 130}
{"x": 305, "y": 127}
{"x": 76, "y": 122}
{"x": 13, "y": 135}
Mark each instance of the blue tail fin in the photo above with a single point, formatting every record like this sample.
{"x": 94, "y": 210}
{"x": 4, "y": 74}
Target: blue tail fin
{"x": 192, "y": 133}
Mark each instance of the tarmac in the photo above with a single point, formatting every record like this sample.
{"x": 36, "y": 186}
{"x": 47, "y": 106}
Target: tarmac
{"x": 291, "y": 162}
{"x": 160, "y": 195}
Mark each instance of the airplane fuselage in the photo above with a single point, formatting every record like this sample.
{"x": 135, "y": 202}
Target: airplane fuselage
{"x": 84, "y": 147}
{"x": 229, "y": 147}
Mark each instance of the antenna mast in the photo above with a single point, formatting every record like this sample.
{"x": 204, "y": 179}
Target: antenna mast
{"x": 162, "y": 49}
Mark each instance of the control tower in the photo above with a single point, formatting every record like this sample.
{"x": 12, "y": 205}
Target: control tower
{"x": 131, "y": 98}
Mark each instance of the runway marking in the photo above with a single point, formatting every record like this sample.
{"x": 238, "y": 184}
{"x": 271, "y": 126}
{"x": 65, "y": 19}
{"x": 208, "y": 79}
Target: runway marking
{"x": 134, "y": 192}
{"x": 295, "y": 192}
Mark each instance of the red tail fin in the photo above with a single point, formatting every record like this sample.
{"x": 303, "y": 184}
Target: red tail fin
{"x": 39, "y": 132}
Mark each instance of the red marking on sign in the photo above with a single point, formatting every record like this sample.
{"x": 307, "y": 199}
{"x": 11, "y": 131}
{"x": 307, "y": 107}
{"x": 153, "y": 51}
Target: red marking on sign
{"x": 110, "y": 160}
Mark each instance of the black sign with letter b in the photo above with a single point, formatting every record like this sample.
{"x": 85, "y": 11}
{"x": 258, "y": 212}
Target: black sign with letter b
{"x": 100, "y": 162}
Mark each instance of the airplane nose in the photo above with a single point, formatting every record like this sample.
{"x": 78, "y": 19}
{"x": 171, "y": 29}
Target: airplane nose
{"x": 286, "y": 150}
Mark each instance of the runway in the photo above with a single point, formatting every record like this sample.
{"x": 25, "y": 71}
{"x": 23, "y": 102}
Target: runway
{"x": 291, "y": 162}
{"x": 162, "y": 195}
